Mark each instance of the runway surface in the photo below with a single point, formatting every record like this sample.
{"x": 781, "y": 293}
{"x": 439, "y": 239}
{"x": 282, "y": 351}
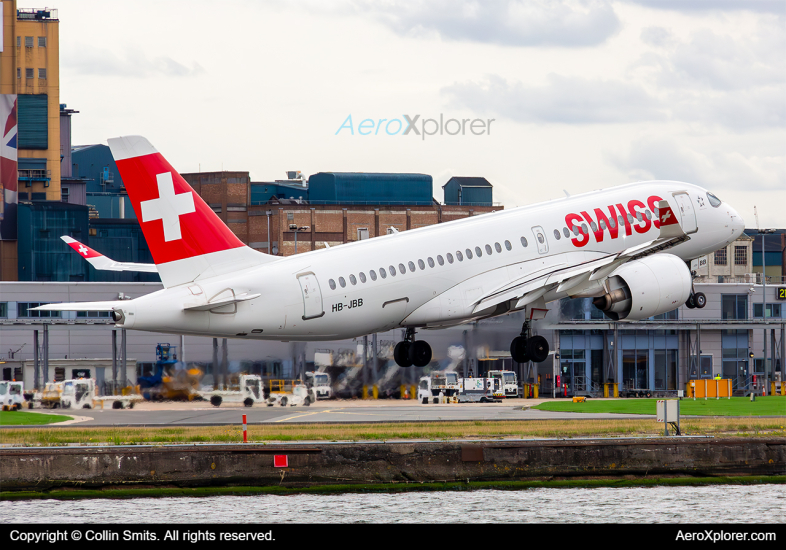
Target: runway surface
{"x": 202, "y": 414}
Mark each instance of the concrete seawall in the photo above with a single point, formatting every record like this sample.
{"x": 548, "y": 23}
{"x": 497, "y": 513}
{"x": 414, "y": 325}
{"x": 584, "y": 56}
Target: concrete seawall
{"x": 380, "y": 462}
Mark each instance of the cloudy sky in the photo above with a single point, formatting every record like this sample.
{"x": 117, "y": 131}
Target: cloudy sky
{"x": 584, "y": 94}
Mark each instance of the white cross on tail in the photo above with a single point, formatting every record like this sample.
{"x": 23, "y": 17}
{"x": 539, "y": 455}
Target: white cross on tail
{"x": 168, "y": 207}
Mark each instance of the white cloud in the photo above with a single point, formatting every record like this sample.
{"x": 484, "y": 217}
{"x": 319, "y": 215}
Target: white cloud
{"x": 565, "y": 99}
{"x": 91, "y": 61}
{"x": 664, "y": 158}
{"x": 567, "y": 23}
{"x": 762, "y": 6}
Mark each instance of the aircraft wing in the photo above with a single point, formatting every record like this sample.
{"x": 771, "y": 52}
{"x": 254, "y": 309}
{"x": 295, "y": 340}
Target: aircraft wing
{"x": 82, "y": 306}
{"x": 528, "y": 289}
{"x": 99, "y": 261}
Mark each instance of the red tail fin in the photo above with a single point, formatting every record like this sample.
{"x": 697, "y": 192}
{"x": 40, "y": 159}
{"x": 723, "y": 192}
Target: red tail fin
{"x": 176, "y": 222}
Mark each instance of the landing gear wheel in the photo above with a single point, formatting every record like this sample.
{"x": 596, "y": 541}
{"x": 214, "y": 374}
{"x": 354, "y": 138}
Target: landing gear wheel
{"x": 518, "y": 349}
{"x": 401, "y": 354}
{"x": 537, "y": 349}
{"x": 691, "y": 302}
{"x": 419, "y": 353}
{"x": 700, "y": 300}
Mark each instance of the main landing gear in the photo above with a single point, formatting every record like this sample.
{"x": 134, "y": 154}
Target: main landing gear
{"x": 529, "y": 348}
{"x": 411, "y": 352}
{"x": 696, "y": 300}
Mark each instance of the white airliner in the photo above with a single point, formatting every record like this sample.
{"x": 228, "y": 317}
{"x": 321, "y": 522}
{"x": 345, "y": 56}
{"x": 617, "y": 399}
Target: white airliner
{"x": 628, "y": 247}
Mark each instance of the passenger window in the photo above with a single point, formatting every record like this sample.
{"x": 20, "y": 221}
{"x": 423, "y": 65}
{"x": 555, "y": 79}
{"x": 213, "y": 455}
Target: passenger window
{"x": 556, "y": 234}
{"x": 342, "y": 282}
{"x": 469, "y": 254}
{"x": 362, "y": 277}
{"x": 450, "y": 258}
{"x": 383, "y": 273}
{"x": 603, "y": 225}
{"x": 576, "y": 230}
{"x": 459, "y": 256}
{"x": 649, "y": 215}
{"x": 353, "y": 280}
{"x": 402, "y": 269}
{"x": 430, "y": 262}
{"x": 373, "y": 275}
{"x": 488, "y": 249}
{"x": 508, "y": 245}
{"x": 566, "y": 232}
{"x": 392, "y": 271}
{"x": 332, "y": 284}
{"x": 411, "y": 266}
{"x": 497, "y": 247}
{"x": 524, "y": 242}
{"x": 421, "y": 265}
{"x": 440, "y": 260}
{"x": 478, "y": 252}
{"x": 612, "y": 223}
{"x": 593, "y": 226}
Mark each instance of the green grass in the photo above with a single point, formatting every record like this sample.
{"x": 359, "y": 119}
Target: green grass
{"x": 20, "y": 418}
{"x": 736, "y": 406}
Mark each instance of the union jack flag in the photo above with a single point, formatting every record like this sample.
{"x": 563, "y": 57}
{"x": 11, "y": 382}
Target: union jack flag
{"x": 8, "y": 167}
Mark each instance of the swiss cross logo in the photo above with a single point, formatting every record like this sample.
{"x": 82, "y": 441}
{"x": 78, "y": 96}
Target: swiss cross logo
{"x": 168, "y": 207}
{"x": 83, "y": 249}
{"x": 666, "y": 216}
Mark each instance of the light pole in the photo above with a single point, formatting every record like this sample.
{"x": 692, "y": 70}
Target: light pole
{"x": 763, "y": 232}
{"x": 269, "y": 213}
{"x": 295, "y": 228}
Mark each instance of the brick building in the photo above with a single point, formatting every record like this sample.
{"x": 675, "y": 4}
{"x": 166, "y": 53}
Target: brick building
{"x": 266, "y": 227}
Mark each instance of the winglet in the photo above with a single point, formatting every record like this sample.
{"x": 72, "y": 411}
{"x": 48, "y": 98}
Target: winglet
{"x": 99, "y": 261}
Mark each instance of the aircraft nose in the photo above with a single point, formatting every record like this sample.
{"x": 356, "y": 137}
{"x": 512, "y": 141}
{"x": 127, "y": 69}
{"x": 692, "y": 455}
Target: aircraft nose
{"x": 737, "y": 223}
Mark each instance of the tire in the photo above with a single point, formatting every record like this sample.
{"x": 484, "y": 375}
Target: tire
{"x": 538, "y": 349}
{"x": 284, "y": 401}
{"x": 401, "y": 354}
{"x": 419, "y": 353}
{"x": 518, "y": 349}
{"x": 425, "y": 401}
{"x": 117, "y": 405}
{"x": 248, "y": 402}
{"x": 216, "y": 400}
{"x": 700, "y": 300}
{"x": 691, "y": 302}
{"x": 307, "y": 402}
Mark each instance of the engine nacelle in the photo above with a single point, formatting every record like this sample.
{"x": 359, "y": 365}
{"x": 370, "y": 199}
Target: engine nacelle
{"x": 643, "y": 288}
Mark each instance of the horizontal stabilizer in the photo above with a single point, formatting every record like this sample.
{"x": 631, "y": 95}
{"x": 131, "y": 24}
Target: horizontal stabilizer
{"x": 223, "y": 302}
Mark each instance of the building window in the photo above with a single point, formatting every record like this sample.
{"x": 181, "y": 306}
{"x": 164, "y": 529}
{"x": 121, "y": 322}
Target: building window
{"x": 28, "y": 41}
{"x": 740, "y": 255}
{"x": 18, "y": 41}
{"x": 42, "y": 73}
{"x": 18, "y": 72}
{"x": 42, "y": 41}
{"x": 3, "y": 309}
{"x": 773, "y": 310}
{"x": 362, "y": 233}
{"x": 28, "y": 73}
{"x": 672, "y": 315}
{"x": 720, "y": 257}
{"x": 734, "y": 306}
{"x": 24, "y": 310}
{"x": 93, "y": 314}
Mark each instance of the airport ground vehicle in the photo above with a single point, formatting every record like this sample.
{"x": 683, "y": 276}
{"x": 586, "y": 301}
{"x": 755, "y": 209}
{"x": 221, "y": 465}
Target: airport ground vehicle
{"x": 431, "y": 386}
{"x": 11, "y": 395}
{"x": 479, "y": 390}
{"x": 320, "y": 383}
{"x": 169, "y": 382}
{"x": 289, "y": 393}
{"x": 78, "y": 394}
{"x": 50, "y": 396}
{"x": 250, "y": 391}
{"x": 509, "y": 383}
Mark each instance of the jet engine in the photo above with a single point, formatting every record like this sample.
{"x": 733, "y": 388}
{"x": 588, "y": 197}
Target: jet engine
{"x": 643, "y": 288}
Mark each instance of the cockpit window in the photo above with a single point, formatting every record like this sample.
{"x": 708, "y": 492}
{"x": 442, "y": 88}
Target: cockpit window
{"x": 714, "y": 201}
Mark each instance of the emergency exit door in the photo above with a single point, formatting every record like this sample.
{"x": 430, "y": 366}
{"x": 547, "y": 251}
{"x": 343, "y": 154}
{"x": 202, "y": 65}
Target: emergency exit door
{"x": 540, "y": 239}
{"x": 312, "y": 296}
{"x": 687, "y": 212}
